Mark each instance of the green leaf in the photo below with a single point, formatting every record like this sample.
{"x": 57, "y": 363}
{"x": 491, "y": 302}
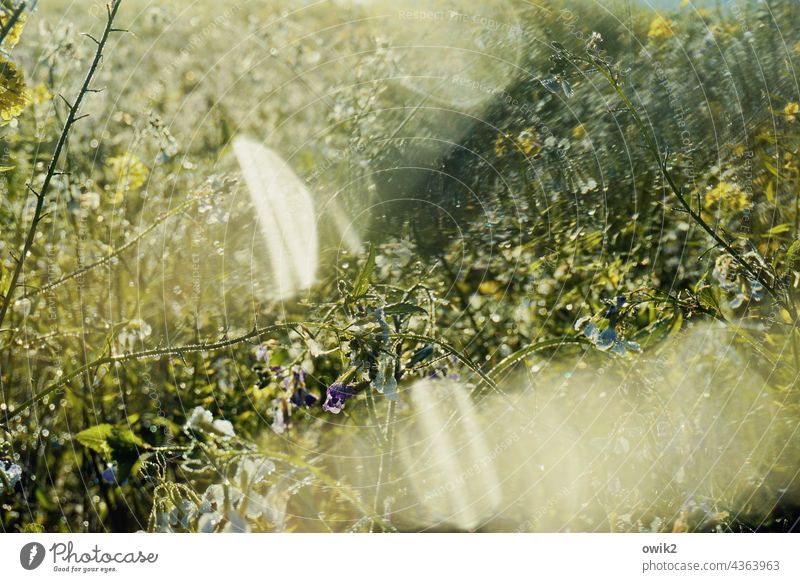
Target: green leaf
{"x": 123, "y": 438}
{"x": 709, "y": 300}
{"x": 780, "y": 229}
{"x": 44, "y": 501}
{"x": 404, "y": 309}
{"x": 677, "y": 323}
{"x": 420, "y": 355}
{"x": 96, "y": 438}
{"x": 108, "y": 439}
{"x": 793, "y": 256}
{"x": 137, "y": 466}
{"x": 361, "y": 283}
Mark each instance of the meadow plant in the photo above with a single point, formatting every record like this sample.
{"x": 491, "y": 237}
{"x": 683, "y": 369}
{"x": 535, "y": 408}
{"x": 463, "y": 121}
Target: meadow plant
{"x": 576, "y": 276}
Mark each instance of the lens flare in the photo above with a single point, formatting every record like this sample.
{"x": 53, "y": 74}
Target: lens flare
{"x": 285, "y": 212}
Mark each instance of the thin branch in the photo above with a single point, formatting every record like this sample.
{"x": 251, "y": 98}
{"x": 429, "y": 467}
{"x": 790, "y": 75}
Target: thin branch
{"x": 529, "y": 350}
{"x": 143, "y": 355}
{"x": 117, "y": 251}
{"x": 463, "y": 358}
{"x": 676, "y": 190}
{"x": 203, "y": 346}
{"x": 51, "y": 168}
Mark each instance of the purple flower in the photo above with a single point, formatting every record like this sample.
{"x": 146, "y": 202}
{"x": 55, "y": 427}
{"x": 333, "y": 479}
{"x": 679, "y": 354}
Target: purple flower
{"x": 302, "y": 397}
{"x": 262, "y": 354}
{"x": 300, "y": 394}
{"x": 336, "y": 396}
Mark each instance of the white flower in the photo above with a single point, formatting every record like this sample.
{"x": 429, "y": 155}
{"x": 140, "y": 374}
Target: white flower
{"x": 208, "y": 522}
{"x": 22, "y": 307}
{"x": 216, "y": 507}
{"x": 201, "y": 420}
{"x": 236, "y": 523}
{"x": 134, "y": 331}
{"x": 223, "y": 427}
{"x": 180, "y": 515}
{"x": 253, "y": 470}
{"x": 278, "y": 421}
{"x": 263, "y": 354}
{"x": 90, "y": 200}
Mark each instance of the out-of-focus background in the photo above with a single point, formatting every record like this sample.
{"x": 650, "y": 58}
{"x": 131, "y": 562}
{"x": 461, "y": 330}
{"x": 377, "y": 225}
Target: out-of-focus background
{"x": 374, "y": 266}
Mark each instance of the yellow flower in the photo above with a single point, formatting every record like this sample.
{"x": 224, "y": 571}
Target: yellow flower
{"x": 489, "y": 287}
{"x": 527, "y": 141}
{"x": 579, "y": 131}
{"x": 129, "y": 171}
{"x": 500, "y": 145}
{"x": 41, "y": 94}
{"x": 660, "y": 28}
{"x": 12, "y": 38}
{"x": 727, "y": 197}
{"x": 732, "y": 28}
{"x": 791, "y": 110}
{"x": 14, "y": 94}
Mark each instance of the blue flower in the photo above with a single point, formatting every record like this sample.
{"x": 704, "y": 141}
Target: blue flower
{"x": 10, "y": 475}
{"x": 613, "y": 309}
{"x": 109, "y": 476}
{"x": 607, "y": 339}
{"x": 336, "y": 395}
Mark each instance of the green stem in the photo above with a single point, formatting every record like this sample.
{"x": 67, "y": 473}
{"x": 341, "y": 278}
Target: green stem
{"x": 385, "y": 467}
{"x": 519, "y": 355}
{"x": 453, "y": 352}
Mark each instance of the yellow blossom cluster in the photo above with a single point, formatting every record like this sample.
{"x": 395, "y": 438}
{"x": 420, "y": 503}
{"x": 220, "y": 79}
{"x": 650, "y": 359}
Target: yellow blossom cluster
{"x": 791, "y": 110}
{"x": 129, "y": 171}
{"x": 726, "y": 197}
{"x": 526, "y": 142}
{"x": 14, "y": 94}
{"x": 660, "y": 29}
{"x": 12, "y": 38}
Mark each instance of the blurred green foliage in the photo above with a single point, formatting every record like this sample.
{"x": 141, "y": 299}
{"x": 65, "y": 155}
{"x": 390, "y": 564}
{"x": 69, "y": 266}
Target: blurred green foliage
{"x": 564, "y": 217}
